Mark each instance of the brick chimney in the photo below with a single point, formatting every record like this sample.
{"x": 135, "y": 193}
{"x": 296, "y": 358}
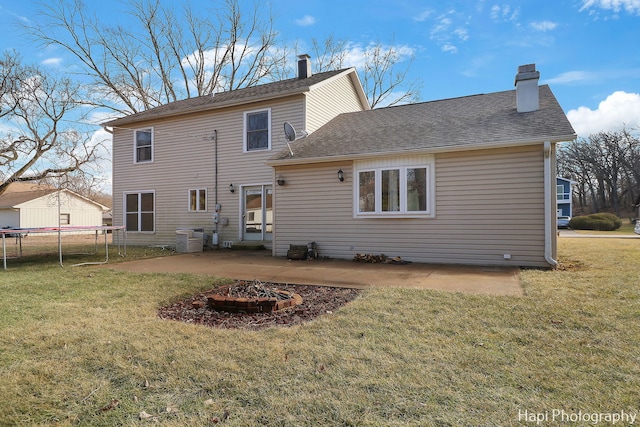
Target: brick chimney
{"x": 304, "y": 66}
{"x": 527, "y": 96}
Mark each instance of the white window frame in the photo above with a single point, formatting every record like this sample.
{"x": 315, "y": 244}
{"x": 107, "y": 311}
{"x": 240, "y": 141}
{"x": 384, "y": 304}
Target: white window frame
{"x": 139, "y": 212}
{"x": 561, "y": 195}
{"x": 197, "y": 194}
{"x": 402, "y": 165}
{"x": 65, "y": 219}
{"x": 135, "y": 145}
{"x": 245, "y": 130}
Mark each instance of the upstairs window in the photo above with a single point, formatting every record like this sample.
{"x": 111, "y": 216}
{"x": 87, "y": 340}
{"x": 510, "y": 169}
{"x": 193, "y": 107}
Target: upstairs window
{"x": 384, "y": 189}
{"x": 198, "y": 200}
{"x": 257, "y": 130}
{"x": 143, "y": 145}
{"x": 561, "y": 194}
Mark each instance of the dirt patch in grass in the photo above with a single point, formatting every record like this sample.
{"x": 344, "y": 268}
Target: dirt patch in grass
{"x": 316, "y": 301}
{"x": 565, "y": 264}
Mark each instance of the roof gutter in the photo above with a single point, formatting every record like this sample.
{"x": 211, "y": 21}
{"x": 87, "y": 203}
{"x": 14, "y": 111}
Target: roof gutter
{"x": 548, "y": 219}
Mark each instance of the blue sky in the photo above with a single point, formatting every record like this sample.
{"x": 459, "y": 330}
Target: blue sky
{"x": 586, "y": 50}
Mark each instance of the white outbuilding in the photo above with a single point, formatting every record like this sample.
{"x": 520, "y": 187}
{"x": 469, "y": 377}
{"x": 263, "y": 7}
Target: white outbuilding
{"x": 28, "y": 205}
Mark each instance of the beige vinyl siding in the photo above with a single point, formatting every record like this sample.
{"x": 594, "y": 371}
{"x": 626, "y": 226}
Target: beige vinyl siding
{"x": 332, "y": 98}
{"x": 184, "y": 158}
{"x": 488, "y": 203}
{"x": 9, "y": 218}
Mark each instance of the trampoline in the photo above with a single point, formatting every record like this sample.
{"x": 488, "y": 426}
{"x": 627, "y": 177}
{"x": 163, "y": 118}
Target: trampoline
{"x": 118, "y": 231}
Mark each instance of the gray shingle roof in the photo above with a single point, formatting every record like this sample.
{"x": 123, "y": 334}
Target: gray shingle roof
{"x": 224, "y": 99}
{"x": 458, "y": 123}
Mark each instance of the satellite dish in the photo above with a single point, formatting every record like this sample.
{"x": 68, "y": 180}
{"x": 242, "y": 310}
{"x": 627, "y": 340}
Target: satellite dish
{"x": 289, "y": 132}
{"x": 291, "y": 135}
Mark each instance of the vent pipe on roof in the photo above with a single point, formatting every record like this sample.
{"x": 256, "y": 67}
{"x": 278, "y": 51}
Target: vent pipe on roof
{"x": 304, "y": 66}
{"x": 527, "y": 96}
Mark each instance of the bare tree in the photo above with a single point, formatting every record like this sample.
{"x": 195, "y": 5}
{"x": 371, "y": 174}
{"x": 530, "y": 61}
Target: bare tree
{"x": 631, "y": 167}
{"x": 174, "y": 53}
{"x": 36, "y": 140}
{"x": 606, "y": 167}
{"x": 9, "y": 63}
{"x": 383, "y": 70}
{"x": 177, "y": 52}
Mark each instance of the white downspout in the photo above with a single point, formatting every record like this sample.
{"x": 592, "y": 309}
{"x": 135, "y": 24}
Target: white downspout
{"x": 548, "y": 231}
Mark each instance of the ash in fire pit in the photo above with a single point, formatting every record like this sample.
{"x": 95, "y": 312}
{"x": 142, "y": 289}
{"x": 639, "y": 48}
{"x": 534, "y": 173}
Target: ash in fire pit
{"x": 251, "y": 297}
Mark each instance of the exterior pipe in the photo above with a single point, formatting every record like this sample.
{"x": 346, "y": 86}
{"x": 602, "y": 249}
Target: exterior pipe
{"x": 548, "y": 232}
{"x": 216, "y": 230}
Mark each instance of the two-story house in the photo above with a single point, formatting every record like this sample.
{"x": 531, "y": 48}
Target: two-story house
{"x": 201, "y": 162}
{"x": 467, "y": 180}
{"x": 564, "y": 193}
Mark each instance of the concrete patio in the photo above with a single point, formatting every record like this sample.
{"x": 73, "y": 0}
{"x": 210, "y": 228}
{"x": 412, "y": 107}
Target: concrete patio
{"x": 251, "y": 265}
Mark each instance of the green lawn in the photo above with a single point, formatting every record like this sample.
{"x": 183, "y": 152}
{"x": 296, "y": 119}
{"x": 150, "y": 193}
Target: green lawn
{"x": 83, "y": 346}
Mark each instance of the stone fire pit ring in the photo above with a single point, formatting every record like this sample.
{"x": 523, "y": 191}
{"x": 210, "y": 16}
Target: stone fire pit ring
{"x": 257, "y": 297}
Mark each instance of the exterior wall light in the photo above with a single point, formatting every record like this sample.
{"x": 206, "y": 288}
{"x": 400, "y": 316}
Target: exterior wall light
{"x": 232, "y": 188}
{"x": 341, "y": 175}
{"x": 281, "y": 180}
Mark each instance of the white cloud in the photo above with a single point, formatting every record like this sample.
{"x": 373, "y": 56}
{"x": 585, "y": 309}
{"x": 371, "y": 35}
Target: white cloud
{"x": 617, "y": 110}
{"x": 462, "y": 33}
{"x": 495, "y": 11}
{"x": 579, "y": 77}
{"x": 103, "y": 170}
{"x": 423, "y": 16}
{"x": 504, "y": 13}
{"x": 443, "y": 26}
{"x": 21, "y": 18}
{"x": 447, "y": 29}
{"x": 449, "y": 48}
{"x": 103, "y": 140}
{"x": 52, "y": 62}
{"x": 631, "y": 6}
{"x": 306, "y": 21}
{"x": 544, "y": 25}
{"x": 356, "y": 55}
{"x": 573, "y": 77}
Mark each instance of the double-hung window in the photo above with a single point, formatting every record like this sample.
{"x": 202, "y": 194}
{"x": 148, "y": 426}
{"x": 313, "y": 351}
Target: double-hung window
{"x": 403, "y": 187}
{"x": 139, "y": 210}
{"x": 562, "y": 195}
{"x": 257, "y": 130}
{"x": 143, "y": 142}
{"x": 198, "y": 200}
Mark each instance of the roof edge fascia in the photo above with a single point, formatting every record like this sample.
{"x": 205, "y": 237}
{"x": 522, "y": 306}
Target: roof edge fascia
{"x": 231, "y": 103}
{"x": 435, "y": 150}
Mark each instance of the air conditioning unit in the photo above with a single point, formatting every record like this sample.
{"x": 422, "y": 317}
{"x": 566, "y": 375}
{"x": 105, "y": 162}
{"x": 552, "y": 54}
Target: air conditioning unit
{"x": 188, "y": 241}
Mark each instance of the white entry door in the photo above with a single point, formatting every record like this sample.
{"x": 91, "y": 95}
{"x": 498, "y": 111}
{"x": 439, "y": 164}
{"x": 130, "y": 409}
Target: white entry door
{"x": 257, "y": 212}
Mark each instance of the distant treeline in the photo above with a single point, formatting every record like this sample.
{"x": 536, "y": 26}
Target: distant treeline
{"x": 606, "y": 170}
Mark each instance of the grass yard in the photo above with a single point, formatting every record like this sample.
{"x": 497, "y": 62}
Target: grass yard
{"x": 83, "y": 346}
